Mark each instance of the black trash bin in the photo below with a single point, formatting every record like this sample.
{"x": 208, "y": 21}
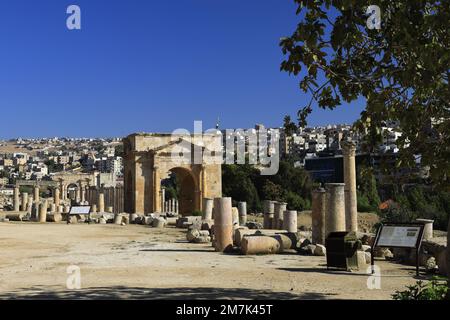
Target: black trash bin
{"x": 342, "y": 250}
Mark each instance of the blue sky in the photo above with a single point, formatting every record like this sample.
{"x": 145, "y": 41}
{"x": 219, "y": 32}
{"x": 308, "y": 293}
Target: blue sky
{"x": 147, "y": 65}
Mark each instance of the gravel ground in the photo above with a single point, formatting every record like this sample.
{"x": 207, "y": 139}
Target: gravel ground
{"x": 138, "y": 262}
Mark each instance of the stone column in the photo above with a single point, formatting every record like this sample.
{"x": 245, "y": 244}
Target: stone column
{"x": 269, "y": 209}
{"x": 235, "y": 216}
{"x": 335, "y": 217}
{"x": 156, "y": 187}
{"x": 16, "y": 199}
{"x": 428, "y": 228}
{"x": 43, "y": 211}
{"x": 177, "y": 206}
{"x": 30, "y": 206}
{"x": 163, "y": 198}
{"x": 242, "y": 207}
{"x": 78, "y": 195}
{"x": 280, "y": 208}
{"x": 57, "y": 199}
{"x": 319, "y": 205}
{"x": 101, "y": 202}
{"x": 94, "y": 208}
{"x": 24, "y": 201}
{"x": 208, "y": 205}
{"x": 290, "y": 221}
{"x": 63, "y": 192}
{"x": 82, "y": 192}
{"x": 36, "y": 195}
{"x": 223, "y": 224}
{"x": 351, "y": 209}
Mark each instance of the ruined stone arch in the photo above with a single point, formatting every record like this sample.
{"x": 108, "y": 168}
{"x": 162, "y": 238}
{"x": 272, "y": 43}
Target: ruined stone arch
{"x": 148, "y": 160}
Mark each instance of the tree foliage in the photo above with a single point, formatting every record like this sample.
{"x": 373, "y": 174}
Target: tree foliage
{"x": 402, "y": 71}
{"x": 245, "y": 183}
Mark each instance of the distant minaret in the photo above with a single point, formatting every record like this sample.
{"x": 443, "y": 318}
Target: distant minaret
{"x": 218, "y": 123}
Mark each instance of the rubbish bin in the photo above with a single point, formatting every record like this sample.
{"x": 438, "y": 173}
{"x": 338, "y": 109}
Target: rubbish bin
{"x": 342, "y": 250}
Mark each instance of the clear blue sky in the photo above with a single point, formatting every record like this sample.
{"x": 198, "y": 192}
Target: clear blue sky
{"x": 146, "y": 65}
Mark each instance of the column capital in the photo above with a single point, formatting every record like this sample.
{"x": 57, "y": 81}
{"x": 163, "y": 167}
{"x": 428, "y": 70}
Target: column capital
{"x": 348, "y": 148}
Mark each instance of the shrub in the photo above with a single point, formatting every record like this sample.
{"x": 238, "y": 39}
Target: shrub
{"x": 436, "y": 289}
{"x": 197, "y": 213}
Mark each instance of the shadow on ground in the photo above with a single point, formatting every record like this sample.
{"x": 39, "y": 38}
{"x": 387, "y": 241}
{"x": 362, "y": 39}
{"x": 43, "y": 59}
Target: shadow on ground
{"x": 120, "y": 292}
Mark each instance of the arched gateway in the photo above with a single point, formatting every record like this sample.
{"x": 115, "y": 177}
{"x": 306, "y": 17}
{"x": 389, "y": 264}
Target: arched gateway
{"x": 150, "y": 158}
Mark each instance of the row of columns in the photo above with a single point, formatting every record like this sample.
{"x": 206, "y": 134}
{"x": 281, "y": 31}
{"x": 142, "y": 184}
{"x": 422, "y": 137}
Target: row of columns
{"x": 171, "y": 205}
{"x": 223, "y": 219}
{"x": 277, "y": 217}
{"x": 24, "y": 202}
{"x": 334, "y": 208}
{"x": 241, "y": 219}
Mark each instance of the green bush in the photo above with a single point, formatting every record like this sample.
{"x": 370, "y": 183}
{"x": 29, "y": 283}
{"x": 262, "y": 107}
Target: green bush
{"x": 363, "y": 204}
{"x": 436, "y": 289}
{"x": 197, "y": 213}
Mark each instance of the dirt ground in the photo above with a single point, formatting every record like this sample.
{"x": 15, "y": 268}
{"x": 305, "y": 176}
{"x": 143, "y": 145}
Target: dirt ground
{"x": 138, "y": 262}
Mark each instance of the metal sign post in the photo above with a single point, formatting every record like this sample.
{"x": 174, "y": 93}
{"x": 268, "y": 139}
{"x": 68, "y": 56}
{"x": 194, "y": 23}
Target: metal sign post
{"x": 399, "y": 235}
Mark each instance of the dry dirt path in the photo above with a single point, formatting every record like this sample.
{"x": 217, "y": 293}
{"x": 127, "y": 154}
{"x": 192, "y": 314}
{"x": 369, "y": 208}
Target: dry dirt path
{"x": 140, "y": 262}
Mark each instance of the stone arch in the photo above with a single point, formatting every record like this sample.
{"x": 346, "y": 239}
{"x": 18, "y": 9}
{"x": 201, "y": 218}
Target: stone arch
{"x": 188, "y": 187}
{"x": 72, "y": 191}
{"x": 148, "y": 160}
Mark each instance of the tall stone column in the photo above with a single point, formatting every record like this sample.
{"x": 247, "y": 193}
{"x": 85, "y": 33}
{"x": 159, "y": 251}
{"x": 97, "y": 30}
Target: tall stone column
{"x": 156, "y": 187}
{"x": 319, "y": 205}
{"x": 16, "y": 199}
{"x": 63, "y": 192}
{"x": 30, "y": 206}
{"x": 78, "y": 195}
{"x": 82, "y": 192}
{"x": 335, "y": 217}
{"x": 351, "y": 209}
{"x": 223, "y": 224}
{"x": 57, "y": 199}
{"x": 101, "y": 201}
{"x": 43, "y": 211}
{"x": 280, "y": 208}
{"x": 208, "y": 205}
{"x": 163, "y": 198}
{"x": 242, "y": 207}
{"x": 36, "y": 192}
{"x": 24, "y": 201}
{"x": 269, "y": 209}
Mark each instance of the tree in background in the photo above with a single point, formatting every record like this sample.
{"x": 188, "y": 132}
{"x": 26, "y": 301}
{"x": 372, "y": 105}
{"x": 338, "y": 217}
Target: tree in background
{"x": 172, "y": 186}
{"x": 289, "y": 126}
{"x": 290, "y": 184}
{"x": 402, "y": 71}
{"x": 237, "y": 183}
{"x": 368, "y": 198}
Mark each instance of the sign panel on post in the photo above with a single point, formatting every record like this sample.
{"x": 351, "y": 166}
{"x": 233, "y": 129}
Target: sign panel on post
{"x": 80, "y": 210}
{"x": 398, "y": 236}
